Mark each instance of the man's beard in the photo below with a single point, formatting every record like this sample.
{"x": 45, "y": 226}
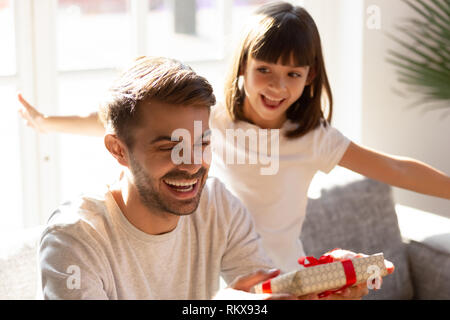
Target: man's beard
{"x": 154, "y": 200}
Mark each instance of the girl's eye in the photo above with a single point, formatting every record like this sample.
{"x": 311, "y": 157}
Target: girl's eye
{"x": 263, "y": 70}
{"x": 295, "y": 75}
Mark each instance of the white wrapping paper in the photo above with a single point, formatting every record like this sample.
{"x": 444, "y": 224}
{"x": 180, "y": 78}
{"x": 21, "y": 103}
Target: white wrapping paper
{"x": 326, "y": 277}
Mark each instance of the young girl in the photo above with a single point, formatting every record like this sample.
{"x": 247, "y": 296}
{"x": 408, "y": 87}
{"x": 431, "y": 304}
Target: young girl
{"x": 278, "y": 80}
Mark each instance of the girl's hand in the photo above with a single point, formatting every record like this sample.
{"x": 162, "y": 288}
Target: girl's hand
{"x": 341, "y": 254}
{"x": 358, "y": 291}
{"x": 33, "y": 118}
{"x": 355, "y": 292}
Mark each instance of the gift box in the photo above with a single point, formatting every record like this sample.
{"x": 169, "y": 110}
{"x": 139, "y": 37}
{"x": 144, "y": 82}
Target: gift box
{"x": 326, "y": 275}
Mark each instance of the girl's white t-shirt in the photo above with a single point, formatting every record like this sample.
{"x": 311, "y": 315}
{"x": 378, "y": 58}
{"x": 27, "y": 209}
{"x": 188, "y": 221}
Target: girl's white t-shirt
{"x": 273, "y": 184}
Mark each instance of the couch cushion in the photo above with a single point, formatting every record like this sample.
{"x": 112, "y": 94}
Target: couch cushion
{"x": 429, "y": 270}
{"x": 360, "y": 216}
{"x": 424, "y": 227}
{"x": 18, "y": 264}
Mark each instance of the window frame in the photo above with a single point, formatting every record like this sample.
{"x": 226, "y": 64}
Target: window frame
{"x": 37, "y": 78}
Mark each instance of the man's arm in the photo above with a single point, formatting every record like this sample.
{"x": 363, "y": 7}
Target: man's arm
{"x": 246, "y": 262}
{"x": 70, "y": 268}
{"x": 240, "y": 288}
{"x": 244, "y": 253}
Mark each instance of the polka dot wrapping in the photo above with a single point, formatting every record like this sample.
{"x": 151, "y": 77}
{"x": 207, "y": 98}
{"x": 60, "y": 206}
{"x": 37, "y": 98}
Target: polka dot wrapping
{"x": 326, "y": 277}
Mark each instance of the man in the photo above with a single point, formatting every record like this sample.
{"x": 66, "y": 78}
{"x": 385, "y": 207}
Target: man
{"x": 163, "y": 230}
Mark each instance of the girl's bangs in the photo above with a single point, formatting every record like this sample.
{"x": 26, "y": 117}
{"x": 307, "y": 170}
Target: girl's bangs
{"x": 278, "y": 43}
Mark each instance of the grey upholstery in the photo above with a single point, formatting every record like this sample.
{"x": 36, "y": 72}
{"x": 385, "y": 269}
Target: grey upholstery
{"x": 360, "y": 216}
{"x": 430, "y": 270}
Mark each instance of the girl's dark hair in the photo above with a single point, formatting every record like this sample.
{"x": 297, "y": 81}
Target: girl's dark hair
{"x": 280, "y": 32}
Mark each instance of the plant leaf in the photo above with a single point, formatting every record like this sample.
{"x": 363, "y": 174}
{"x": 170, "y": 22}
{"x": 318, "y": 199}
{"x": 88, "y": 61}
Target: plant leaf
{"x": 423, "y": 65}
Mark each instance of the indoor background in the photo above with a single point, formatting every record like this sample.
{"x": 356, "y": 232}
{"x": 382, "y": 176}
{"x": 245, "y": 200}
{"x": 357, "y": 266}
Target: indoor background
{"x": 63, "y": 54}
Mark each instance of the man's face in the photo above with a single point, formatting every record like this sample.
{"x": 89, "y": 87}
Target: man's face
{"x": 163, "y": 185}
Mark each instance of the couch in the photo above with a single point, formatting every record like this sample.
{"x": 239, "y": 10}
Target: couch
{"x": 359, "y": 215}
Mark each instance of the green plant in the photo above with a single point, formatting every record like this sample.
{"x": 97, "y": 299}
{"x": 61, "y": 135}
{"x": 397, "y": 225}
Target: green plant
{"x": 424, "y": 63}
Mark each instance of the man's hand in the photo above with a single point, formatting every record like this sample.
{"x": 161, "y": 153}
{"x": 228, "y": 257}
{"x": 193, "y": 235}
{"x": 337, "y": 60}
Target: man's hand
{"x": 33, "y": 118}
{"x": 352, "y": 293}
{"x": 241, "y": 286}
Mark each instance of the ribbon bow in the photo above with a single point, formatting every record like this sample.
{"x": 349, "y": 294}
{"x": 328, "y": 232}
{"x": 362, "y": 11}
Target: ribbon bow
{"x": 311, "y": 261}
{"x": 349, "y": 270}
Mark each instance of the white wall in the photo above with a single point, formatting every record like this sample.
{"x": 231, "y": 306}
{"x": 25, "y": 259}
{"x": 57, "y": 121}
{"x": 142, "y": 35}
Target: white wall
{"x": 387, "y": 124}
{"x": 339, "y": 23}
{"x": 367, "y": 108}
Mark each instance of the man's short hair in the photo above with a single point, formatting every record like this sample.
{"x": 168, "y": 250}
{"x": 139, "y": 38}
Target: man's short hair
{"x": 151, "y": 79}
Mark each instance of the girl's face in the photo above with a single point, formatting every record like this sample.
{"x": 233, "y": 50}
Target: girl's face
{"x": 270, "y": 89}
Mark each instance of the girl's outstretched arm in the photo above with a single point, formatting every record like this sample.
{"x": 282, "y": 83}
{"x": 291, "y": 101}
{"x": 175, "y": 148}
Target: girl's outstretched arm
{"x": 83, "y": 125}
{"x": 397, "y": 171}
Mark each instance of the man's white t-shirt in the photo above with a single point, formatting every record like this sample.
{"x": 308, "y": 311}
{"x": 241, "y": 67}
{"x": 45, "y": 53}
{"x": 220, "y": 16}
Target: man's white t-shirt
{"x": 277, "y": 201}
{"x": 90, "y": 250}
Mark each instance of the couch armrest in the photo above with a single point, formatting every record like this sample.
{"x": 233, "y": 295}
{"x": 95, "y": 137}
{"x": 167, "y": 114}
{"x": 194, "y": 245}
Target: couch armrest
{"x": 428, "y": 238}
{"x": 430, "y": 271}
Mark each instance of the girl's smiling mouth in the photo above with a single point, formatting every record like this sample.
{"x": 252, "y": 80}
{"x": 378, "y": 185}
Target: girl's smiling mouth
{"x": 271, "y": 103}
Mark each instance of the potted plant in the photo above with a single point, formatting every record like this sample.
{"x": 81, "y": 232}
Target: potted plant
{"x": 423, "y": 65}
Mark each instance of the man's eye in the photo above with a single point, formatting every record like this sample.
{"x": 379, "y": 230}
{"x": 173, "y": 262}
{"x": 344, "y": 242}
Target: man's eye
{"x": 204, "y": 144}
{"x": 166, "y": 148}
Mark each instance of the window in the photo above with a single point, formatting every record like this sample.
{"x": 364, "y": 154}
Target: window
{"x": 10, "y": 164}
{"x": 84, "y": 162}
{"x": 93, "y": 39}
{"x": 185, "y": 29}
{"x": 92, "y": 34}
{"x": 7, "y": 54}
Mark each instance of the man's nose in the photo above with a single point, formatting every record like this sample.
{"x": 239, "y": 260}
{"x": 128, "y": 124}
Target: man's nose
{"x": 196, "y": 161}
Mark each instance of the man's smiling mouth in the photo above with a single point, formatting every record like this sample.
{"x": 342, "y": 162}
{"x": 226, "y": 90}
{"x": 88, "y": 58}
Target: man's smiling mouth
{"x": 181, "y": 185}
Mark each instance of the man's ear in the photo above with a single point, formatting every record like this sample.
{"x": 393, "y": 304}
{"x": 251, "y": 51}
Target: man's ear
{"x": 117, "y": 148}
